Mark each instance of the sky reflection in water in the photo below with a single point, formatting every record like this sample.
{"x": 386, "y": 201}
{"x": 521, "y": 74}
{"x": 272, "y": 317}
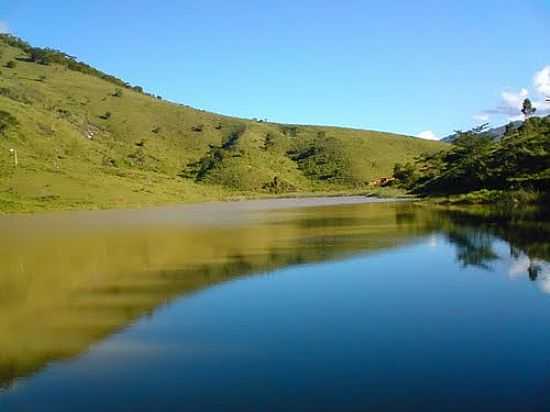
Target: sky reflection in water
{"x": 388, "y": 307}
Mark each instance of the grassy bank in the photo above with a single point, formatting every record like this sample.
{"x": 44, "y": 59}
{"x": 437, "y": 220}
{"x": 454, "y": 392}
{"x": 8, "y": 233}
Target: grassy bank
{"x": 159, "y": 197}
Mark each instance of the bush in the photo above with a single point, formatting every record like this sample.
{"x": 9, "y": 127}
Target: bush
{"x": 405, "y": 174}
{"x": 291, "y": 131}
{"x": 40, "y": 56}
{"x": 11, "y": 64}
{"x": 117, "y": 93}
{"x": 106, "y": 116}
{"x": 6, "y": 121}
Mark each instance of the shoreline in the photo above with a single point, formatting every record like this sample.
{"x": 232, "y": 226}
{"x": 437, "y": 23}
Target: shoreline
{"x": 53, "y": 208}
{"x": 216, "y": 207}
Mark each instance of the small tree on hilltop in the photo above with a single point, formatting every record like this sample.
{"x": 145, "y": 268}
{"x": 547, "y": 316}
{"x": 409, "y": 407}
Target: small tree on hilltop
{"x": 528, "y": 110}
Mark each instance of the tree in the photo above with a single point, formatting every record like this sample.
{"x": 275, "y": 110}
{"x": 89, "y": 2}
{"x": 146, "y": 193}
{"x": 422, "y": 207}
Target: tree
{"x": 39, "y": 56}
{"x": 509, "y": 128}
{"x": 528, "y": 110}
{"x": 406, "y": 174}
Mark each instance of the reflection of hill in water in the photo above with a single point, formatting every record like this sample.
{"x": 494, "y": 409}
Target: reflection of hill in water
{"x": 67, "y": 283}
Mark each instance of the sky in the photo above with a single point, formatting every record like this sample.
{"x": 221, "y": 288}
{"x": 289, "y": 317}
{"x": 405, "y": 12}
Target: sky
{"x": 414, "y": 67}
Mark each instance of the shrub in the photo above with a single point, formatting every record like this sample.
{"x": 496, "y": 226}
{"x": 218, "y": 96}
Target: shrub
{"x": 6, "y": 121}
{"x": 117, "y": 93}
{"x": 40, "y": 56}
{"x": 405, "y": 174}
{"x": 109, "y": 161}
{"x": 291, "y": 131}
{"x": 106, "y": 116}
{"x": 278, "y": 185}
{"x": 14, "y": 95}
{"x": 11, "y": 64}
{"x": 233, "y": 137}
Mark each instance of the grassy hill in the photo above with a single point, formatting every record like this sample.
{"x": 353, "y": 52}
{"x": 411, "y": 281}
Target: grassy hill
{"x": 85, "y": 139}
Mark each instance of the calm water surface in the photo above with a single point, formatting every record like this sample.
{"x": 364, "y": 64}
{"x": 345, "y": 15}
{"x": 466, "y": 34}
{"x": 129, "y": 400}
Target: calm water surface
{"x": 259, "y": 307}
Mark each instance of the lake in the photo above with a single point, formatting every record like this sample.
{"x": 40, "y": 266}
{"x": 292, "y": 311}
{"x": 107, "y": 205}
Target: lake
{"x": 305, "y": 305}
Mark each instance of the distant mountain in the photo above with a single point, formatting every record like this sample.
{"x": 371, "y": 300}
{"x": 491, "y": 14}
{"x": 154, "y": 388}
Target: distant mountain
{"x": 497, "y": 132}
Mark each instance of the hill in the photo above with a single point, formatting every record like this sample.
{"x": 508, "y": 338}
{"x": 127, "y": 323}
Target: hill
{"x": 85, "y": 139}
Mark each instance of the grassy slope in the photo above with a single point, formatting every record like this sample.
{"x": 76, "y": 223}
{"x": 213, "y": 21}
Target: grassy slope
{"x": 153, "y": 152}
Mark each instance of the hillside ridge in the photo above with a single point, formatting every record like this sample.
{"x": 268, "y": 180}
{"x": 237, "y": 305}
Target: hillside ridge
{"x": 85, "y": 139}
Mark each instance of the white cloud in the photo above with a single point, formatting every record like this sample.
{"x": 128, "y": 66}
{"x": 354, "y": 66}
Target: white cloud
{"x": 510, "y": 105}
{"x": 514, "y": 100}
{"x": 511, "y": 101}
{"x": 543, "y": 107}
{"x": 4, "y": 28}
{"x": 428, "y": 134}
{"x": 541, "y": 81}
{"x": 516, "y": 118}
{"x": 481, "y": 117}
{"x": 520, "y": 268}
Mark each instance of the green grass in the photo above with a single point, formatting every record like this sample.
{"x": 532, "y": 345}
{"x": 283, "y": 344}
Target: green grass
{"x": 150, "y": 152}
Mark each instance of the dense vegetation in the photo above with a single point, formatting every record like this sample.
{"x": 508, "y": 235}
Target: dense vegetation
{"x": 87, "y": 139}
{"x": 476, "y": 161}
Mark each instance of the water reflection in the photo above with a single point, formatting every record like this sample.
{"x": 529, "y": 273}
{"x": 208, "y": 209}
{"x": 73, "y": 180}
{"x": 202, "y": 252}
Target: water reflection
{"x": 475, "y": 232}
{"x": 68, "y": 282}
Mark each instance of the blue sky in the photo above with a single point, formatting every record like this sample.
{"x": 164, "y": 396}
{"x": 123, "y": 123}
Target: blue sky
{"x": 402, "y": 66}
